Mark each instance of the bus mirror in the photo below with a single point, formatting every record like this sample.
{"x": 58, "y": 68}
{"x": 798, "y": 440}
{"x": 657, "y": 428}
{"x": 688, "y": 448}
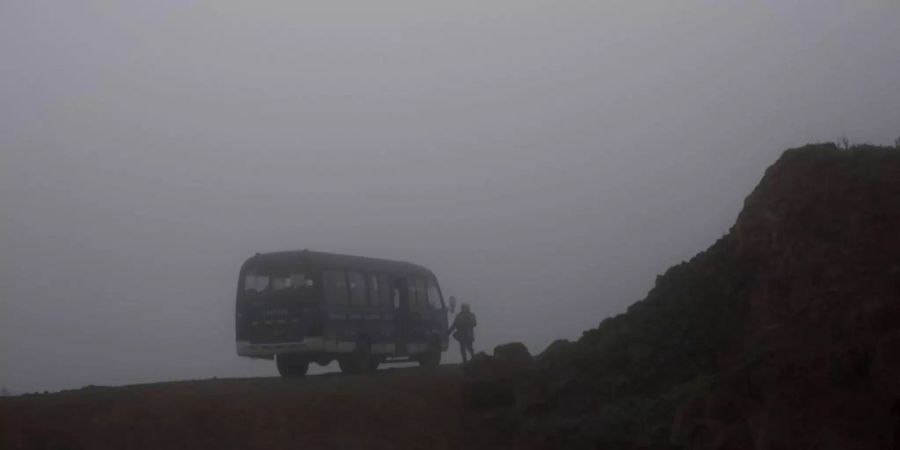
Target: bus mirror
{"x": 452, "y": 304}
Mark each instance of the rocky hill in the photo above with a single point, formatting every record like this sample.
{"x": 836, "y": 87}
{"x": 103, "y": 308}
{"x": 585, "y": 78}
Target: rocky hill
{"x": 784, "y": 334}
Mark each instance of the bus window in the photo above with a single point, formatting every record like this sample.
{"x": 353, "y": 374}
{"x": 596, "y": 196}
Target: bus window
{"x": 378, "y": 289}
{"x": 411, "y": 293}
{"x": 256, "y": 283}
{"x": 357, "y": 288}
{"x": 422, "y": 293}
{"x": 434, "y": 296}
{"x": 384, "y": 291}
{"x": 300, "y": 280}
{"x": 335, "y": 287}
{"x": 260, "y": 283}
{"x": 417, "y": 293}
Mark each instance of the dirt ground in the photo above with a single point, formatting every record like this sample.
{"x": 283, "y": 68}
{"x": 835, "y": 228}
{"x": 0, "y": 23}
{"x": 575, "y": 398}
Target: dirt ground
{"x": 409, "y": 408}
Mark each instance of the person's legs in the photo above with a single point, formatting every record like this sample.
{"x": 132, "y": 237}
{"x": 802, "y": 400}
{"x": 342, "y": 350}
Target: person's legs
{"x": 462, "y": 351}
{"x": 468, "y": 345}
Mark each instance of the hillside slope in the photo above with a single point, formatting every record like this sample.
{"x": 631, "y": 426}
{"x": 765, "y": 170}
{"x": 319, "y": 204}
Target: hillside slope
{"x": 784, "y": 334}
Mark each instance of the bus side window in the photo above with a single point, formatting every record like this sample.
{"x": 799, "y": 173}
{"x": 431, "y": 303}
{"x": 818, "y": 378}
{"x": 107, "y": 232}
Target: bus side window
{"x": 422, "y": 293}
{"x": 335, "y": 287}
{"x": 378, "y": 290}
{"x": 258, "y": 283}
{"x": 411, "y": 294}
{"x": 372, "y": 288}
{"x": 299, "y": 280}
{"x": 385, "y": 293}
{"x": 357, "y": 288}
{"x": 396, "y": 297}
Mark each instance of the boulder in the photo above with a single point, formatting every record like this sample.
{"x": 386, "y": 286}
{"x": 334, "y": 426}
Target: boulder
{"x": 514, "y": 353}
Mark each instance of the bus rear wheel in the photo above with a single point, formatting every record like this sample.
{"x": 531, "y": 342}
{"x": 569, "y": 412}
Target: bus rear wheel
{"x": 292, "y": 365}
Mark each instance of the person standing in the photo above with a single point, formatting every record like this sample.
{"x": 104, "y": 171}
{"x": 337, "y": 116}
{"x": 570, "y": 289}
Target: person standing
{"x": 463, "y": 330}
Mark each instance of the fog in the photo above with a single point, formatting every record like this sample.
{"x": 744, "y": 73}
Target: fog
{"x": 545, "y": 159}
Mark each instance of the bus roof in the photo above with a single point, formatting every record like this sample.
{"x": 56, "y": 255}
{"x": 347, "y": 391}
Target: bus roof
{"x": 322, "y": 260}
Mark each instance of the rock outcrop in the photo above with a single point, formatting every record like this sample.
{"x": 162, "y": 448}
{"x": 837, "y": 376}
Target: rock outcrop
{"x": 516, "y": 353}
{"x": 784, "y": 334}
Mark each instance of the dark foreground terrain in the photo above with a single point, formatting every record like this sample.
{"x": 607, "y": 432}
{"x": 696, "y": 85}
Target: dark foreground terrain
{"x": 403, "y": 408}
{"x": 784, "y": 334}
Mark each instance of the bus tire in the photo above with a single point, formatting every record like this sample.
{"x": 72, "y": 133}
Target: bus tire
{"x": 431, "y": 358}
{"x": 292, "y": 365}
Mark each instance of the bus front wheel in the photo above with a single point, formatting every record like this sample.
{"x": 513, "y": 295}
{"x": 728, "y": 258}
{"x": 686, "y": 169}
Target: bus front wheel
{"x": 431, "y": 358}
{"x": 292, "y": 365}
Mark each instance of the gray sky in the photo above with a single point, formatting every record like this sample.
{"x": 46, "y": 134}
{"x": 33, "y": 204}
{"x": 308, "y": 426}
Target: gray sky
{"x": 545, "y": 159}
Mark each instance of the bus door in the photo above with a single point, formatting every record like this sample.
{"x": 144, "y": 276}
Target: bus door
{"x": 400, "y": 299}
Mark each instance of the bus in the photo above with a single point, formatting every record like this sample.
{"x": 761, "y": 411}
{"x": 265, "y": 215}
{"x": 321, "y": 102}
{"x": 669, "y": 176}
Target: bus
{"x": 300, "y": 307}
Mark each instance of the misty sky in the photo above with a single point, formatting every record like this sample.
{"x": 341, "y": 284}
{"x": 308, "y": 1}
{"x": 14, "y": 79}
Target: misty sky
{"x": 546, "y": 159}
